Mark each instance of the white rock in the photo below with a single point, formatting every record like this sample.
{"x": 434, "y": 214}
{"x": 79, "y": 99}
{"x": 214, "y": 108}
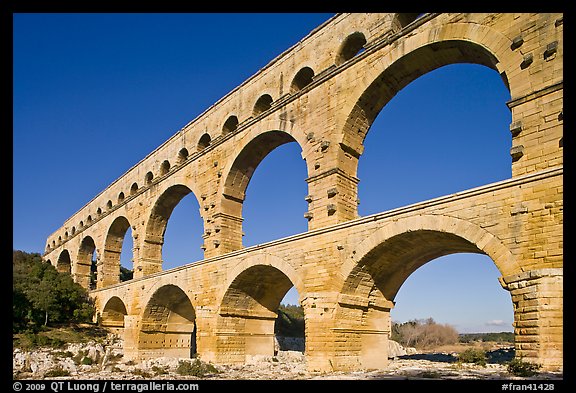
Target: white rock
{"x": 411, "y": 351}
{"x": 395, "y": 349}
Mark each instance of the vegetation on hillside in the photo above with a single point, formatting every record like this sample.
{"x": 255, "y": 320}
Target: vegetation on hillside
{"x": 500, "y": 337}
{"x": 290, "y": 321}
{"x": 42, "y": 296}
{"x": 423, "y": 333}
{"x": 126, "y": 274}
{"x": 426, "y": 333}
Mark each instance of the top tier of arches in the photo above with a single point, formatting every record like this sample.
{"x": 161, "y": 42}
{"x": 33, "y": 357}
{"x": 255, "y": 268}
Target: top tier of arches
{"x": 405, "y": 46}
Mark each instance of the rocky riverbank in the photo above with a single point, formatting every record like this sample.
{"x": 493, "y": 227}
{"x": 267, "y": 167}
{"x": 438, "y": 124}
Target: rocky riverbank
{"x": 104, "y": 360}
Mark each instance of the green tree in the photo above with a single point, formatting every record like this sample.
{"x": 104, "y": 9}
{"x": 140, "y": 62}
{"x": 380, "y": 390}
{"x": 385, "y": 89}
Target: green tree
{"x": 290, "y": 321}
{"x": 42, "y": 295}
{"x": 126, "y": 274}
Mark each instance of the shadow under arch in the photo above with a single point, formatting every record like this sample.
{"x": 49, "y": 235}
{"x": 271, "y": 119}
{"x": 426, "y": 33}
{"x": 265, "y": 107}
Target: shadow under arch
{"x": 249, "y": 304}
{"x": 64, "y": 263}
{"x": 113, "y": 313}
{"x": 376, "y": 269}
{"x": 168, "y": 325}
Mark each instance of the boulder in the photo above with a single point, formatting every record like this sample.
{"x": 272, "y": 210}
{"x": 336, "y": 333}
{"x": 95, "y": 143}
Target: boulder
{"x": 395, "y": 349}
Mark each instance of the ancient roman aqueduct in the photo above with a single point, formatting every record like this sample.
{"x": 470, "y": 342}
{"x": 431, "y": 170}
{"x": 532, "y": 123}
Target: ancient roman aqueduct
{"x": 323, "y": 94}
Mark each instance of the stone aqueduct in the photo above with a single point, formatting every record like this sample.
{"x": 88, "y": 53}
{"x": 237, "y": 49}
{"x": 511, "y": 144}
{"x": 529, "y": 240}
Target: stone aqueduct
{"x": 323, "y": 93}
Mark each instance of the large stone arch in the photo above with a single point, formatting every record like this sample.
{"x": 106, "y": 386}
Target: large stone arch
{"x": 245, "y": 163}
{"x": 82, "y": 268}
{"x": 64, "y": 262}
{"x": 482, "y": 240}
{"x": 168, "y": 324}
{"x": 417, "y": 55}
{"x": 264, "y": 259}
{"x": 169, "y": 196}
{"x": 379, "y": 265}
{"x": 113, "y": 313}
{"x": 249, "y": 152}
{"x": 247, "y": 312}
{"x": 109, "y": 273}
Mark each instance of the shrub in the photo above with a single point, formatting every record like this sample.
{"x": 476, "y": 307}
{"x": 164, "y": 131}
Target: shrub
{"x": 160, "y": 370}
{"x": 35, "y": 340}
{"x": 430, "y": 374}
{"x": 473, "y": 355}
{"x": 141, "y": 373}
{"x": 423, "y": 333}
{"x": 57, "y": 371}
{"x": 196, "y": 368}
{"x": 521, "y": 368}
{"x": 80, "y": 356}
{"x": 62, "y": 354}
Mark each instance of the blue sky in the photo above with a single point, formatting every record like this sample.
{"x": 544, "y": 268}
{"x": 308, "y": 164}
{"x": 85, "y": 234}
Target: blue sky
{"x": 95, "y": 93}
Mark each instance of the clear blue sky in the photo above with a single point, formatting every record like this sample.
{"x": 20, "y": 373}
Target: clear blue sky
{"x": 95, "y": 93}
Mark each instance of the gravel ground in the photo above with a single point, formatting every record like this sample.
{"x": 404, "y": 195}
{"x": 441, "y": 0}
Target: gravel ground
{"x": 287, "y": 365}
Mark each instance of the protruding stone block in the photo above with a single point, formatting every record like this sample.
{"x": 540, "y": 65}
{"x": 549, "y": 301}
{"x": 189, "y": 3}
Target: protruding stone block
{"x": 517, "y": 42}
{"x": 551, "y": 49}
{"x": 516, "y": 152}
{"x": 526, "y": 61}
{"x": 331, "y": 209}
{"x": 515, "y": 128}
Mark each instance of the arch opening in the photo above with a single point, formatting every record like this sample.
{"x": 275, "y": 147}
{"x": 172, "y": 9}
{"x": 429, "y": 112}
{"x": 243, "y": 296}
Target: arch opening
{"x": 64, "y": 263}
{"x": 182, "y": 155}
{"x": 111, "y": 272}
{"x": 403, "y": 19}
{"x": 289, "y": 327}
{"x": 148, "y": 178}
{"x": 127, "y": 257}
{"x": 481, "y": 305}
{"x": 134, "y": 188}
{"x": 168, "y": 325}
{"x": 113, "y": 313}
{"x": 183, "y": 238}
{"x": 461, "y": 132}
{"x": 156, "y": 230}
{"x": 249, "y": 313}
{"x": 230, "y": 125}
{"x": 87, "y": 265}
{"x": 371, "y": 287}
{"x": 351, "y": 47}
{"x": 165, "y": 167}
{"x": 278, "y": 189}
{"x": 204, "y": 142}
{"x": 302, "y": 79}
{"x": 262, "y": 104}
{"x": 402, "y": 72}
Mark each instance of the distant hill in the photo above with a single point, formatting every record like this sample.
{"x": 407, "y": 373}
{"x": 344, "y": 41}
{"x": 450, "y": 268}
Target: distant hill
{"x": 501, "y": 337}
